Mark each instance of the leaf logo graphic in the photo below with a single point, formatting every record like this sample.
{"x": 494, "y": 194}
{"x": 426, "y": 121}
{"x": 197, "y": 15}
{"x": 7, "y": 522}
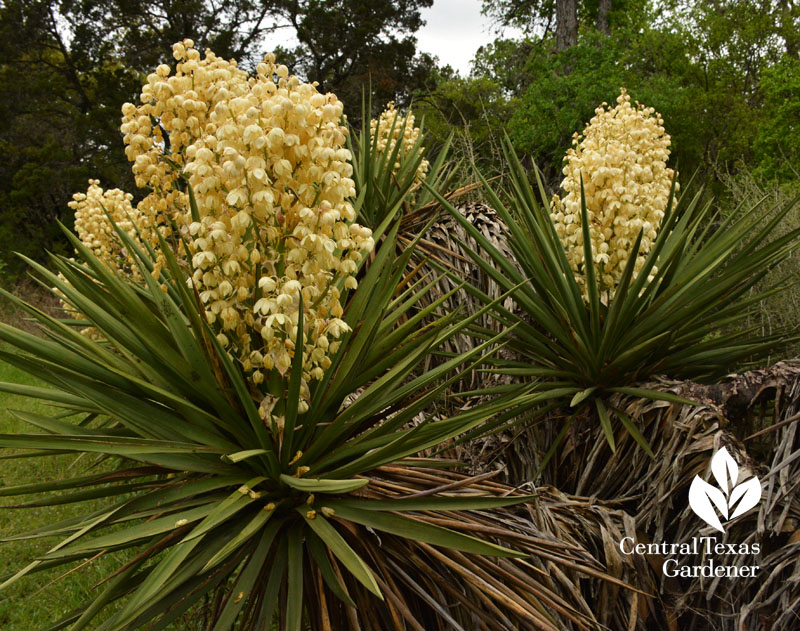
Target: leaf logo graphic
{"x": 729, "y": 500}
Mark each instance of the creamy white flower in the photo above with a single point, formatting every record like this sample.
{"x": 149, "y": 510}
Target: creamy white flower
{"x": 267, "y": 162}
{"x": 391, "y": 128}
{"x": 622, "y": 160}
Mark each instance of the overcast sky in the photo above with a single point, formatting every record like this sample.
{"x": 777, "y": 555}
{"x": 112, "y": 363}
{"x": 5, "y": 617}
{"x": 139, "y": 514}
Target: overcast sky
{"x": 454, "y": 31}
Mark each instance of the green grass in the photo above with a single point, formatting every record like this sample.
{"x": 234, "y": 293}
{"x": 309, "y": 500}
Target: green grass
{"x": 38, "y": 600}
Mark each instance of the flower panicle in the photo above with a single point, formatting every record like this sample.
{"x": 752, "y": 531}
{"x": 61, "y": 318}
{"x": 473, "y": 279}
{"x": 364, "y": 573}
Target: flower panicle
{"x": 391, "y": 128}
{"x": 621, "y": 158}
{"x": 265, "y": 159}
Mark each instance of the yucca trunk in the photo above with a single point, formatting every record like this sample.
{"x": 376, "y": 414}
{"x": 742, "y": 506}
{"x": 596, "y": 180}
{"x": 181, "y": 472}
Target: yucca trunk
{"x": 445, "y": 256}
{"x": 753, "y": 415}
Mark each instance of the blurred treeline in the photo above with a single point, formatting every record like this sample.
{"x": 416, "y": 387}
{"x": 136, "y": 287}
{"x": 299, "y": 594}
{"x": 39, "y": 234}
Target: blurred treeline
{"x": 725, "y": 75}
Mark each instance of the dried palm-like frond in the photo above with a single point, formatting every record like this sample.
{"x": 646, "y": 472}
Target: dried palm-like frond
{"x": 598, "y": 527}
{"x": 574, "y": 578}
{"x": 445, "y": 249}
{"x": 755, "y": 417}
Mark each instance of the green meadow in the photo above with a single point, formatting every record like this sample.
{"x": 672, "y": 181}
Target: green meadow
{"x": 36, "y": 601}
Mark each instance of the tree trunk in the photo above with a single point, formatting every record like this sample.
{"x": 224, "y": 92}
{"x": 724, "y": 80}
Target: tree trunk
{"x": 788, "y": 16}
{"x": 566, "y": 24}
{"x": 603, "y": 9}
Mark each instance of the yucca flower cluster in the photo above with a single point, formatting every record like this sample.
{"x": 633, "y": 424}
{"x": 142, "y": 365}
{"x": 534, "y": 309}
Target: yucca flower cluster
{"x": 92, "y": 225}
{"x": 622, "y": 158}
{"x": 391, "y": 128}
{"x": 268, "y": 220}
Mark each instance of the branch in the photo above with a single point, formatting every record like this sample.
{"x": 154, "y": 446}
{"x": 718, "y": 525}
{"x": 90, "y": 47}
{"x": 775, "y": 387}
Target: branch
{"x": 71, "y": 71}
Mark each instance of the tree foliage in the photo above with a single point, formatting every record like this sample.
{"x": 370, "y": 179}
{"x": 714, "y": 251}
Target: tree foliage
{"x": 713, "y": 69}
{"x": 778, "y": 143}
{"x": 346, "y": 45}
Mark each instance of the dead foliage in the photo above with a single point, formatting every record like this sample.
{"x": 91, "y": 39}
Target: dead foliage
{"x": 755, "y": 416}
{"x": 443, "y": 254}
{"x": 550, "y": 589}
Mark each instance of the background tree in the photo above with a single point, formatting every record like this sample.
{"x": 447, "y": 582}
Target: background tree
{"x": 541, "y": 18}
{"x": 56, "y": 123}
{"x": 66, "y": 69}
{"x": 603, "y": 11}
{"x": 566, "y": 24}
{"x": 346, "y": 45}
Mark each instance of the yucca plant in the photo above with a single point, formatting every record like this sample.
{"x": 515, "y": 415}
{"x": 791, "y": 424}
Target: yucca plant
{"x": 206, "y": 491}
{"x": 390, "y": 162}
{"x": 675, "y": 313}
